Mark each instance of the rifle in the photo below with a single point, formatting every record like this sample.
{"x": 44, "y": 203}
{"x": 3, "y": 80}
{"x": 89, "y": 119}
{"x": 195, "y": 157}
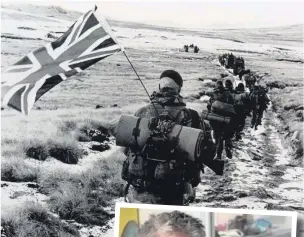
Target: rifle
{"x": 217, "y": 166}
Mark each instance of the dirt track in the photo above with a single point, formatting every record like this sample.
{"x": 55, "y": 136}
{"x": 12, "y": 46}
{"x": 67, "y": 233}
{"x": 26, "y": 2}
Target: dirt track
{"x": 259, "y": 176}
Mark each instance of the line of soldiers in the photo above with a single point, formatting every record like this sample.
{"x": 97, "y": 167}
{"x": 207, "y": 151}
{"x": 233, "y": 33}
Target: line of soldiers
{"x": 161, "y": 173}
{"x": 195, "y": 48}
{"x": 244, "y": 103}
{"x": 229, "y": 61}
{"x": 259, "y": 99}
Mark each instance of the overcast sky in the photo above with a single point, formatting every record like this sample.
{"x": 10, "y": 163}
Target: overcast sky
{"x": 193, "y": 14}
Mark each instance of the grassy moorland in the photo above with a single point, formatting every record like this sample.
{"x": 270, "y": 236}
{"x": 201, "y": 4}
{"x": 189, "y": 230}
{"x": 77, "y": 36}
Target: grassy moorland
{"x": 52, "y": 147}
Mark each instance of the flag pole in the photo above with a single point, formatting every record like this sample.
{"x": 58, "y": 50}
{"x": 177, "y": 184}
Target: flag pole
{"x": 141, "y": 82}
{"x": 110, "y": 32}
{"x": 137, "y": 75}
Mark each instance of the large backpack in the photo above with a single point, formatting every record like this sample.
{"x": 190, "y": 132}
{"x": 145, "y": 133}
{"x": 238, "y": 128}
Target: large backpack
{"x": 240, "y": 99}
{"x": 159, "y": 161}
{"x": 221, "y": 105}
{"x": 258, "y": 98}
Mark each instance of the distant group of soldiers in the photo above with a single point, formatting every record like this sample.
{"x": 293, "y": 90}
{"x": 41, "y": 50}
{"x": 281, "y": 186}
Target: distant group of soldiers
{"x": 161, "y": 172}
{"x": 194, "y": 47}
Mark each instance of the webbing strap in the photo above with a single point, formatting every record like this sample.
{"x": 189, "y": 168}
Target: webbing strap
{"x": 175, "y": 138}
{"x": 136, "y": 131}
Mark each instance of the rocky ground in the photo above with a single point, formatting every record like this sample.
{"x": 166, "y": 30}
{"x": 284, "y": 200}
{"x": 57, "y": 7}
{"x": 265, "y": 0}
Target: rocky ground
{"x": 262, "y": 173}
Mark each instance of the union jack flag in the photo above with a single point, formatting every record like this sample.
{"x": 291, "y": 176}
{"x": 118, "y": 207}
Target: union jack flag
{"x": 87, "y": 41}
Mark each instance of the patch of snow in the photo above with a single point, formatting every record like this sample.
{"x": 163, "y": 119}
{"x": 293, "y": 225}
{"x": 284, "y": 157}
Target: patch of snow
{"x": 205, "y": 98}
{"x": 16, "y": 194}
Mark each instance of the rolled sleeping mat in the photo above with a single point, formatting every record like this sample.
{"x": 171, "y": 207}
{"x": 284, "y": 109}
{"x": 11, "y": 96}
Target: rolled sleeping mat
{"x": 223, "y": 109}
{"x": 215, "y": 117}
{"x": 134, "y": 131}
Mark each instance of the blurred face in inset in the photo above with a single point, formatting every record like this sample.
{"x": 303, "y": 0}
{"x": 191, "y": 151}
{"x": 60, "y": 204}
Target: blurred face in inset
{"x": 175, "y": 234}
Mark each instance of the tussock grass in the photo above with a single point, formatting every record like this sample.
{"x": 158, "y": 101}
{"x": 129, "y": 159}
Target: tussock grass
{"x": 16, "y": 169}
{"x": 72, "y": 203}
{"x": 50, "y": 180}
{"x": 105, "y": 175}
{"x": 65, "y": 150}
{"x": 36, "y": 149}
{"x": 82, "y": 196}
{"x": 67, "y": 126}
{"x": 35, "y": 221}
{"x": 42, "y": 135}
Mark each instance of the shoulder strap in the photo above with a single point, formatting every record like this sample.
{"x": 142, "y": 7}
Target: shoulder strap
{"x": 136, "y": 131}
{"x": 187, "y": 118}
{"x": 195, "y": 118}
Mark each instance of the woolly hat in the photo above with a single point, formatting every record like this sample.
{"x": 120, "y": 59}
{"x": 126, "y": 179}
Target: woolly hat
{"x": 228, "y": 83}
{"x": 219, "y": 84}
{"x": 175, "y": 76}
{"x": 241, "y": 86}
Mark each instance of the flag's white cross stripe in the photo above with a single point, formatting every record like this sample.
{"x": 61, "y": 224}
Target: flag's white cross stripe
{"x": 84, "y": 21}
{"x": 39, "y": 73}
{"x": 90, "y": 58}
{"x": 10, "y": 79}
{"x": 65, "y": 65}
{"x": 19, "y": 66}
{"x": 63, "y": 77}
{"x": 64, "y": 47}
{"x": 11, "y": 93}
{"x": 33, "y": 92}
{"x": 57, "y": 52}
{"x": 22, "y": 97}
{"x": 94, "y": 45}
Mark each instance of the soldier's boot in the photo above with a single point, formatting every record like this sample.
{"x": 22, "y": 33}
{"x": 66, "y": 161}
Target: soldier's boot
{"x": 228, "y": 153}
{"x": 219, "y": 151}
{"x": 253, "y": 121}
{"x": 219, "y": 146}
{"x": 189, "y": 194}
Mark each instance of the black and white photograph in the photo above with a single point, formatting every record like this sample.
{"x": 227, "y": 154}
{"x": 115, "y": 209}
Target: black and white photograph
{"x": 168, "y": 103}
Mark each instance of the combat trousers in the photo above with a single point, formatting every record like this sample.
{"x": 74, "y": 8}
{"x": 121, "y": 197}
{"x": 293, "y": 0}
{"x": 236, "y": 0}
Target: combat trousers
{"x": 222, "y": 137}
{"x": 257, "y": 116}
{"x": 240, "y": 123}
